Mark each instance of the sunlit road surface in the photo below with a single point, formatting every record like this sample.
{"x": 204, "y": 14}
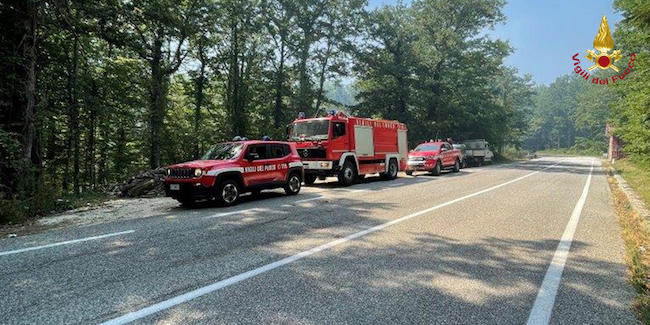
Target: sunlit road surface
{"x": 535, "y": 242}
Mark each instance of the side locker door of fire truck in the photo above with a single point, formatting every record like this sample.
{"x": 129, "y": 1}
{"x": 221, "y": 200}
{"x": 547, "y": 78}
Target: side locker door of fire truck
{"x": 364, "y": 143}
{"x": 402, "y": 146}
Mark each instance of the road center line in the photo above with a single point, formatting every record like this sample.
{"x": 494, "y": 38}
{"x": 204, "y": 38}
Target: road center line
{"x": 543, "y": 306}
{"x": 231, "y": 213}
{"x": 65, "y": 243}
{"x": 312, "y": 199}
{"x": 138, "y": 314}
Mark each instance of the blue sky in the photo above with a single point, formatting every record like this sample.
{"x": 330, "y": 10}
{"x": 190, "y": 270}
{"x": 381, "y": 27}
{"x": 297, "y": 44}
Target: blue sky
{"x": 546, "y": 34}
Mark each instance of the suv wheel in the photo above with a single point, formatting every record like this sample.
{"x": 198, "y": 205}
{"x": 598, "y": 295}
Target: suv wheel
{"x": 456, "y": 166}
{"x": 293, "y": 184}
{"x": 228, "y": 192}
{"x": 438, "y": 169}
{"x": 348, "y": 174}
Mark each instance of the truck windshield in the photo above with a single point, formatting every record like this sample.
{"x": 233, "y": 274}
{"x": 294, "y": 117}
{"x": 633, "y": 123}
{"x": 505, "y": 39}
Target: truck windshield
{"x": 310, "y": 130}
{"x": 223, "y": 151}
{"x": 427, "y": 147}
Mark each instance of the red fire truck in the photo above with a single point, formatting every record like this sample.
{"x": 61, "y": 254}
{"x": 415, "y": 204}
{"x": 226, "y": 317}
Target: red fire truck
{"x": 349, "y": 147}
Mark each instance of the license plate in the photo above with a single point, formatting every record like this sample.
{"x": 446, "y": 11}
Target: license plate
{"x": 174, "y": 187}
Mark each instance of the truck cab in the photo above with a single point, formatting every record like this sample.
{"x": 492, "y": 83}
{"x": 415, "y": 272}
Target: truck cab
{"x": 229, "y": 169}
{"x": 349, "y": 147}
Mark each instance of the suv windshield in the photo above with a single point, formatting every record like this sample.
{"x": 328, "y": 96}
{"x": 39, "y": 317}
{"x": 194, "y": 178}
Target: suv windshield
{"x": 310, "y": 130}
{"x": 427, "y": 147}
{"x": 223, "y": 151}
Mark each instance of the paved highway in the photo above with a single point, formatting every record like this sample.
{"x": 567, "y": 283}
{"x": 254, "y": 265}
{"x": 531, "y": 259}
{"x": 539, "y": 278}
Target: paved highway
{"x": 535, "y": 242}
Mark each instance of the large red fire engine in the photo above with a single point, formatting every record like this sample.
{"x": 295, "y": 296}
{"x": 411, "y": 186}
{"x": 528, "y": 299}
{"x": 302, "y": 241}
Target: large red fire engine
{"x": 349, "y": 147}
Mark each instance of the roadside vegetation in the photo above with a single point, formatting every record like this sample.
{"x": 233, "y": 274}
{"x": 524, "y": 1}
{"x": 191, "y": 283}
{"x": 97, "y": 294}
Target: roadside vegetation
{"x": 635, "y": 231}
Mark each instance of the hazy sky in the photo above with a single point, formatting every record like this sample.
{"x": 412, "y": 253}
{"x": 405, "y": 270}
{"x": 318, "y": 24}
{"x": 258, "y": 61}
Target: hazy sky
{"x": 546, "y": 34}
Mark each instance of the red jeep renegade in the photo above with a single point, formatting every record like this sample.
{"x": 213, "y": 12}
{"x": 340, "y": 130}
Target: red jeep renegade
{"x": 231, "y": 168}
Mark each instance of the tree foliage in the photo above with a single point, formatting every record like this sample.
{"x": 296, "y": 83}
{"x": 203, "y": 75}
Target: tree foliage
{"x": 93, "y": 92}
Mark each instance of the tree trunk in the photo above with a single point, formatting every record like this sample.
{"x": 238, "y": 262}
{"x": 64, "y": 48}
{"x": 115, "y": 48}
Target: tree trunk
{"x": 279, "y": 79}
{"x": 323, "y": 74}
{"x": 199, "y": 100}
{"x": 30, "y": 141}
{"x": 158, "y": 92}
{"x": 74, "y": 114}
{"x": 304, "y": 92}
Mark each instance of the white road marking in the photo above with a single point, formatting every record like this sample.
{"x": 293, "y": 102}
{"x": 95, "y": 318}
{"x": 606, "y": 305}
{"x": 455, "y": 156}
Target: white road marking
{"x": 65, "y": 243}
{"x": 309, "y": 200}
{"x": 218, "y": 215}
{"x": 138, "y": 314}
{"x": 543, "y": 306}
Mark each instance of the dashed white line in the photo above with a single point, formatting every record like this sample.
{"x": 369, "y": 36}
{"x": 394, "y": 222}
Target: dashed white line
{"x": 65, "y": 243}
{"x": 543, "y": 306}
{"x": 218, "y": 215}
{"x": 309, "y": 200}
{"x": 138, "y": 314}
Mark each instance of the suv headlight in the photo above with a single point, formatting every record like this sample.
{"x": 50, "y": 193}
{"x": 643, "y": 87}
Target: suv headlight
{"x": 169, "y": 172}
{"x": 198, "y": 172}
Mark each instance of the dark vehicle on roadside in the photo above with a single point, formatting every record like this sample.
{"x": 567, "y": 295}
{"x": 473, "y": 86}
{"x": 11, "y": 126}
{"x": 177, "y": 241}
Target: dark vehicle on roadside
{"x": 229, "y": 169}
{"x": 433, "y": 157}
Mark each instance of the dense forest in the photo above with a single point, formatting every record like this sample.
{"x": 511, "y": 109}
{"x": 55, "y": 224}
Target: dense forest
{"x": 95, "y": 91}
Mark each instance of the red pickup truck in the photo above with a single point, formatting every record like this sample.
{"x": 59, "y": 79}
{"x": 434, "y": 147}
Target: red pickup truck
{"x": 231, "y": 168}
{"x": 433, "y": 157}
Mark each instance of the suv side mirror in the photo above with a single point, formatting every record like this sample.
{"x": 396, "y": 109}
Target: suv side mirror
{"x": 252, "y": 156}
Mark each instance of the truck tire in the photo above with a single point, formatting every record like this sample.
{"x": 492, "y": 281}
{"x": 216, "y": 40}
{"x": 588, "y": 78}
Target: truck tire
{"x": 293, "y": 184}
{"x": 456, "y": 166}
{"x": 393, "y": 169}
{"x": 310, "y": 179}
{"x": 228, "y": 192}
{"x": 436, "y": 171}
{"x": 348, "y": 174}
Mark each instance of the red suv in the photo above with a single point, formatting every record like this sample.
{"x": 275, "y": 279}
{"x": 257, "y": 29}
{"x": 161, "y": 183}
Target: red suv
{"x": 231, "y": 168}
{"x": 433, "y": 157}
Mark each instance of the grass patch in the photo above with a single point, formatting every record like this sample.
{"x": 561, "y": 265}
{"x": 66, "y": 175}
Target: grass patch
{"x": 637, "y": 173}
{"x": 637, "y": 247}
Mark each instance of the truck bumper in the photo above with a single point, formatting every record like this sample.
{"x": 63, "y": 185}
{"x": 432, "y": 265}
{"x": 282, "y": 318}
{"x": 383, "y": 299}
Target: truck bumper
{"x": 420, "y": 165}
{"x": 317, "y": 165}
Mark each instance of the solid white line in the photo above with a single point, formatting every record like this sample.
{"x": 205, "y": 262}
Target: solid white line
{"x": 135, "y": 315}
{"x": 230, "y": 213}
{"x": 65, "y": 243}
{"x": 543, "y": 306}
{"x": 312, "y": 199}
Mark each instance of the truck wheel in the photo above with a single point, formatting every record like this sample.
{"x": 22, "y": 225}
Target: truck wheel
{"x": 348, "y": 174}
{"x": 438, "y": 169}
{"x": 228, "y": 192}
{"x": 293, "y": 184}
{"x": 456, "y": 166}
{"x": 409, "y": 172}
{"x": 309, "y": 179}
{"x": 392, "y": 171}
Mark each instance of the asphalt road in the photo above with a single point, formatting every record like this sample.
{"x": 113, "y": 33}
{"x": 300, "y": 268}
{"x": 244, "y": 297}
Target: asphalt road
{"x": 534, "y": 242}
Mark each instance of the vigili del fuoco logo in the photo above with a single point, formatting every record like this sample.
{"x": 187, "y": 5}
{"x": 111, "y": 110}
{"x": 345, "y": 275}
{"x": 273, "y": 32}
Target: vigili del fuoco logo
{"x": 603, "y": 60}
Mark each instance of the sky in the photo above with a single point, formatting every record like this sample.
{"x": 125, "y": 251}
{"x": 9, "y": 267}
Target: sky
{"x": 546, "y": 34}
